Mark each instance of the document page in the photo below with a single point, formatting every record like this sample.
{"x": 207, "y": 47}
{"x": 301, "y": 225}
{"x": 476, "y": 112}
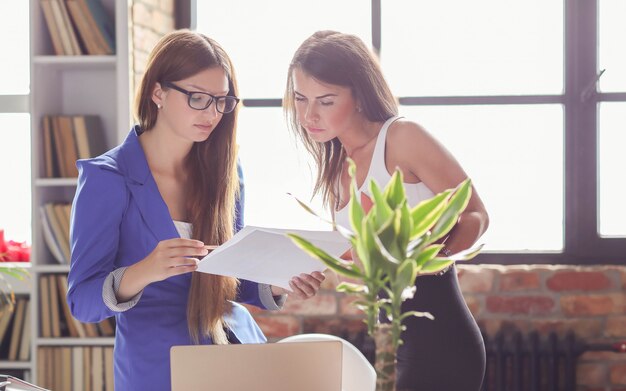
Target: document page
{"x": 268, "y": 255}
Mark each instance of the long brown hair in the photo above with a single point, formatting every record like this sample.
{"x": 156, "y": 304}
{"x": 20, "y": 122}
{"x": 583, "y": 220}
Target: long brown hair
{"x": 344, "y": 60}
{"x": 212, "y": 164}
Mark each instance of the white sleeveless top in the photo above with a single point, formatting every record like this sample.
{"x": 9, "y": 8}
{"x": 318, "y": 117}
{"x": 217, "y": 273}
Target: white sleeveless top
{"x": 415, "y": 192}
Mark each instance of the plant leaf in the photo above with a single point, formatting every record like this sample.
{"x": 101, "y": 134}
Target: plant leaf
{"x": 333, "y": 263}
{"x": 435, "y": 265}
{"x": 405, "y": 275}
{"x": 425, "y": 214}
{"x": 349, "y": 287}
{"x": 427, "y": 254}
{"x": 458, "y": 202}
{"x": 418, "y": 314}
{"x": 382, "y": 211}
{"x": 394, "y": 191}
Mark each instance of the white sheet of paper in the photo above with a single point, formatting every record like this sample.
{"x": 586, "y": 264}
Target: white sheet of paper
{"x": 267, "y": 255}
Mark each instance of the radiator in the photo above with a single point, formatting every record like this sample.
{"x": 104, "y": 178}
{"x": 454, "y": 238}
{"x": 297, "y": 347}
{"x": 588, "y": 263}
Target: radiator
{"x": 533, "y": 363}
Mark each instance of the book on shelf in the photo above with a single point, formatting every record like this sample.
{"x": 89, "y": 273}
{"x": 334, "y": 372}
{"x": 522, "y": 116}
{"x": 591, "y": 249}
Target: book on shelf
{"x": 77, "y": 368}
{"x": 108, "y": 368}
{"x": 24, "y": 351}
{"x": 5, "y": 321}
{"x": 55, "y": 227}
{"x": 76, "y": 327}
{"x": 44, "y": 299}
{"x": 84, "y": 368}
{"x": 53, "y": 27}
{"x": 97, "y": 368}
{"x": 66, "y": 145}
{"x": 56, "y": 317}
{"x": 62, "y": 33}
{"x": 55, "y": 314}
{"x": 16, "y": 331}
{"x": 69, "y": 138}
{"x": 94, "y": 25}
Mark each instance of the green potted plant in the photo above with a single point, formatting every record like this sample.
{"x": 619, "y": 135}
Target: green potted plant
{"x": 394, "y": 244}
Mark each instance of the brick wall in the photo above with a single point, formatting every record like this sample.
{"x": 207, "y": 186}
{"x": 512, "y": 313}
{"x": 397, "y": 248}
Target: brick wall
{"x": 587, "y": 300}
{"x": 150, "y": 20}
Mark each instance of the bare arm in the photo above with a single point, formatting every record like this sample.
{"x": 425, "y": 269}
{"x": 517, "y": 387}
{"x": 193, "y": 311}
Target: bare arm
{"x": 424, "y": 159}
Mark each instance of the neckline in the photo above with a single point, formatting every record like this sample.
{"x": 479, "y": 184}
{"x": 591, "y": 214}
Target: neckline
{"x": 382, "y": 135}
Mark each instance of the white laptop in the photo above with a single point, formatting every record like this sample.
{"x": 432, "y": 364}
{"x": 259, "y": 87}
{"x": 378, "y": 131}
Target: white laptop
{"x": 302, "y": 366}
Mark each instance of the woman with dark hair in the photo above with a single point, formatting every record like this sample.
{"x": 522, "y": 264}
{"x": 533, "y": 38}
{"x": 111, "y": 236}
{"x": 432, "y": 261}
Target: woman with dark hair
{"x": 339, "y": 105}
{"x": 145, "y": 211}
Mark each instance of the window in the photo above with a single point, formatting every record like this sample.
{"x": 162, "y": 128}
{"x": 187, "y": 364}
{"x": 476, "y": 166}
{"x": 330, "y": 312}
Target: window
{"x": 510, "y": 91}
{"x": 15, "y": 174}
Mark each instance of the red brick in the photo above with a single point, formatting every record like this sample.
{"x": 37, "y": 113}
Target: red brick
{"x": 278, "y": 326}
{"x": 520, "y": 304}
{"x": 578, "y": 281}
{"x": 476, "y": 279}
{"x": 582, "y": 328}
{"x": 335, "y": 326}
{"x": 474, "y": 305}
{"x": 616, "y": 326}
{"x": 330, "y": 282}
{"x": 519, "y": 281}
{"x": 618, "y": 374}
{"x": 492, "y": 326}
{"x": 320, "y": 304}
{"x": 591, "y": 374}
{"x": 347, "y": 306}
{"x": 602, "y": 355}
{"x": 588, "y": 305}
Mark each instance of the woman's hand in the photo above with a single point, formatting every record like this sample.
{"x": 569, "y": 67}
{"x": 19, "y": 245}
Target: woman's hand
{"x": 173, "y": 257}
{"x": 169, "y": 258}
{"x": 303, "y": 286}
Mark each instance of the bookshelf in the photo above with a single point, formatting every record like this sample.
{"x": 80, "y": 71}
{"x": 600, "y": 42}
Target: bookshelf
{"x": 68, "y": 85}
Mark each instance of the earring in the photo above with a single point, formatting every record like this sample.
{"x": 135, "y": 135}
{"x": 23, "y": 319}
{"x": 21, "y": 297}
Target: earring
{"x": 359, "y": 109}
{"x": 159, "y": 106}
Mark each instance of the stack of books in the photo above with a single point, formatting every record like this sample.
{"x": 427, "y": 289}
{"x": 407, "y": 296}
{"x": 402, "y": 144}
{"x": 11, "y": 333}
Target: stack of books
{"x": 79, "y": 27}
{"x": 87, "y": 368}
{"x": 15, "y": 331}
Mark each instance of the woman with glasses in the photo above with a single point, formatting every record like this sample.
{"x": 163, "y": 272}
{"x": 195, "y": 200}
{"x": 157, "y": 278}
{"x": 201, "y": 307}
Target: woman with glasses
{"x": 339, "y": 105}
{"x": 147, "y": 210}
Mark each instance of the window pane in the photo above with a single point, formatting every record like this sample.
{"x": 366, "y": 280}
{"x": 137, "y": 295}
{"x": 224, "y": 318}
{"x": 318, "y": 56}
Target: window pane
{"x": 612, "y": 56}
{"x": 262, "y": 41}
{"x": 14, "y": 43}
{"x": 612, "y": 161}
{"x": 273, "y": 167}
{"x": 514, "y": 155}
{"x": 15, "y": 176}
{"x": 457, "y": 47}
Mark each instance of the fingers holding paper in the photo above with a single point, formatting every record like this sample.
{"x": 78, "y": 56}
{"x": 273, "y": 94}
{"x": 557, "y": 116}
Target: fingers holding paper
{"x": 303, "y": 286}
{"x": 175, "y": 256}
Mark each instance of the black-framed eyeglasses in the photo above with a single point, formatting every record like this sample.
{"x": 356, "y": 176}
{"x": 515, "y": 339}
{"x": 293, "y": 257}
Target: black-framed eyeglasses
{"x": 201, "y": 100}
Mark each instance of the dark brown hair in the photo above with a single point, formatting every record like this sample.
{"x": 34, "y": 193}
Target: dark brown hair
{"x": 344, "y": 60}
{"x": 212, "y": 164}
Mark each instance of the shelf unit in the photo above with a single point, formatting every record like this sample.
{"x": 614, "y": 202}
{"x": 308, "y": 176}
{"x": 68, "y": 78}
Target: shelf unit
{"x": 69, "y": 85}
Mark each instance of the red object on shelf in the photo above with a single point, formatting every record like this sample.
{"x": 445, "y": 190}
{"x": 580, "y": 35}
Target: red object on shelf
{"x": 13, "y": 251}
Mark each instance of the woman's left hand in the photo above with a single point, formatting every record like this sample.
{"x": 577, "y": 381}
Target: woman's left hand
{"x": 303, "y": 286}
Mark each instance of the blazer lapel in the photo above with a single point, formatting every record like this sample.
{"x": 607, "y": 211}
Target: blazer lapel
{"x": 144, "y": 189}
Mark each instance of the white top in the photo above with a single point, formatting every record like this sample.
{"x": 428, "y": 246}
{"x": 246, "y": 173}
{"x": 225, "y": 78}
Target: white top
{"x": 415, "y": 192}
{"x": 184, "y": 229}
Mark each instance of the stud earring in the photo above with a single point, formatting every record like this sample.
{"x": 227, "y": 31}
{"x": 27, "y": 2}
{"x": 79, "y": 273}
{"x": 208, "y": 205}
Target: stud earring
{"x": 159, "y": 106}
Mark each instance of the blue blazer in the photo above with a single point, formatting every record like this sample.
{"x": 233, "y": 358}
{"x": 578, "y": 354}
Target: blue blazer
{"x": 118, "y": 217}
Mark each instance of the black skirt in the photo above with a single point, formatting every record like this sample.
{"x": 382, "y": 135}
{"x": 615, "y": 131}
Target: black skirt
{"x": 444, "y": 354}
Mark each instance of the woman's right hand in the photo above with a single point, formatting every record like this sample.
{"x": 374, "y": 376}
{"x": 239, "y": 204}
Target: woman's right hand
{"x": 169, "y": 258}
{"x": 173, "y": 257}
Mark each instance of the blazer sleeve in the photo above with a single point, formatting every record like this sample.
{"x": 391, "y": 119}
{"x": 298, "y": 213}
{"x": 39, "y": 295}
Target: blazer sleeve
{"x": 97, "y": 211}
